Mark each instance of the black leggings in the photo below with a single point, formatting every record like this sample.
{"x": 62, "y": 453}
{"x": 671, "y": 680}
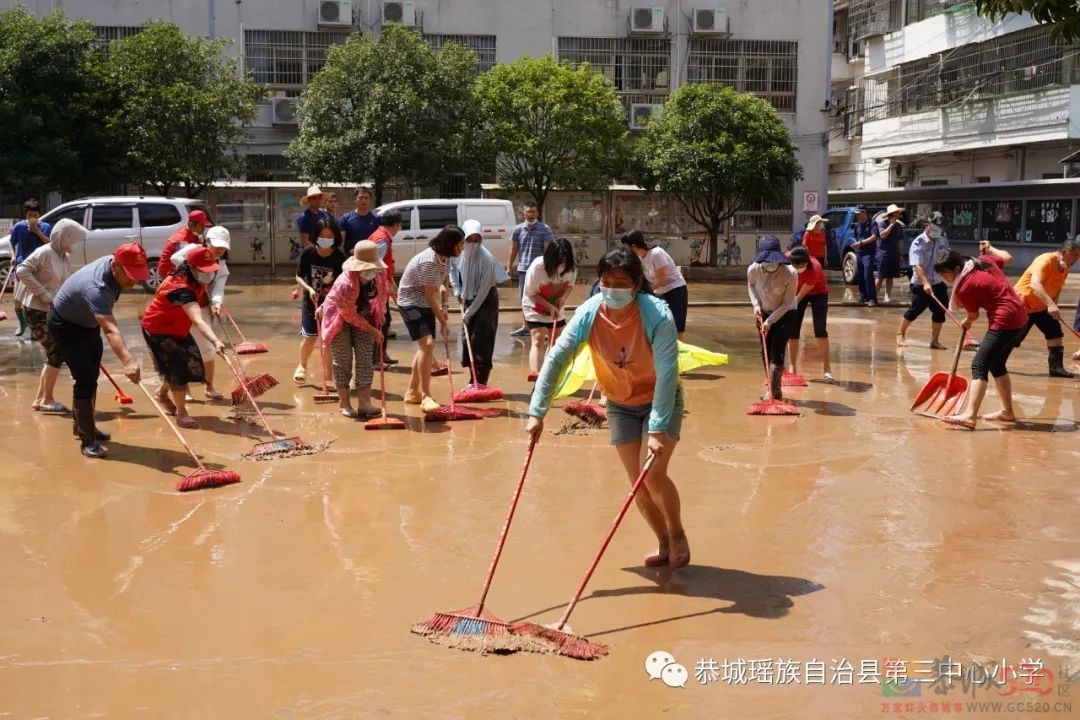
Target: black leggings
{"x": 921, "y": 300}
{"x": 777, "y": 338}
{"x": 81, "y": 348}
{"x": 819, "y": 308}
{"x": 482, "y": 328}
{"x": 993, "y": 353}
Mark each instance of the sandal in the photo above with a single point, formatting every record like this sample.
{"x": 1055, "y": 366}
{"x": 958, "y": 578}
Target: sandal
{"x": 214, "y": 395}
{"x": 412, "y": 398}
{"x": 186, "y": 421}
{"x": 347, "y": 412}
{"x": 53, "y": 407}
{"x": 167, "y": 404}
{"x": 957, "y": 421}
{"x": 299, "y": 375}
{"x": 428, "y": 404}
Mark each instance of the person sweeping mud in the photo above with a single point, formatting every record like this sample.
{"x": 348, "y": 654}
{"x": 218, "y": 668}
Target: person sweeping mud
{"x": 632, "y": 337}
{"x": 979, "y": 284}
{"x": 773, "y": 284}
{"x": 813, "y": 292}
{"x": 927, "y": 287}
{"x": 548, "y": 284}
{"x": 81, "y": 311}
{"x": 167, "y": 324}
{"x": 316, "y": 271}
{"x": 351, "y": 317}
{"x": 40, "y": 276}
{"x": 1040, "y": 286}
{"x": 473, "y": 278}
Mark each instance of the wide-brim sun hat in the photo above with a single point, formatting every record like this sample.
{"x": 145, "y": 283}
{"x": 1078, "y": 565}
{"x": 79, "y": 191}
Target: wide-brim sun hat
{"x": 769, "y": 251}
{"x": 893, "y": 208}
{"x": 365, "y": 257}
{"x": 812, "y": 223}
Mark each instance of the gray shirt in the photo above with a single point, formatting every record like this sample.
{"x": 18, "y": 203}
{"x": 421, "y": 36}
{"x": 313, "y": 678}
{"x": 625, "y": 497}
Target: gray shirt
{"x": 531, "y": 242}
{"x": 91, "y": 290}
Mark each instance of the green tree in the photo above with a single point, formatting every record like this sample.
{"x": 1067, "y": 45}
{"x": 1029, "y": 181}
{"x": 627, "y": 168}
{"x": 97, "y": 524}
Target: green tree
{"x": 51, "y": 108}
{"x": 1063, "y": 15}
{"x": 181, "y": 105}
{"x": 387, "y": 109}
{"x": 552, "y": 125}
{"x": 715, "y": 149}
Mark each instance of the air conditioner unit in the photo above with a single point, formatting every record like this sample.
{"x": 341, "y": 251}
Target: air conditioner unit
{"x": 641, "y": 114}
{"x": 647, "y": 20}
{"x": 335, "y": 13}
{"x": 285, "y": 111}
{"x": 710, "y": 22}
{"x": 399, "y": 11}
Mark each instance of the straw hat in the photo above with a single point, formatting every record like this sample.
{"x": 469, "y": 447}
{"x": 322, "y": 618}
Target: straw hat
{"x": 365, "y": 257}
{"x": 812, "y": 224}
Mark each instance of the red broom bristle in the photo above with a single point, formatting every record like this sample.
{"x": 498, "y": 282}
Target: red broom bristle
{"x": 463, "y": 622}
{"x": 772, "y": 407}
{"x": 573, "y": 646}
{"x": 250, "y": 348}
{"x": 452, "y": 412}
{"x": 793, "y": 380}
{"x": 207, "y": 479}
{"x": 385, "y": 423}
{"x": 478, "y": 393}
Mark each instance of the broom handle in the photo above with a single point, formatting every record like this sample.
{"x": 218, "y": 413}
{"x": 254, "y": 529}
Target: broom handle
{"x": 322, "y": 353}
{"x": 11, "y": 271}
{"x": 949, "y": 313}
{"x": 765, "y": 358}
{"x": 607, "y": 540}
{"x": 592, "y": 392}
{"x": 247, "y": 391}
{"x": 382, "y": 380}
{"x": 172, "y": 426}
{"x": 238, "y": 330}
{"x": 225, "y": 332}
{"x": 468, "y": 345}
{"x": 118, "y": 390}
{"x": 506, "y": 527}
{"x": 1071, "y": 328}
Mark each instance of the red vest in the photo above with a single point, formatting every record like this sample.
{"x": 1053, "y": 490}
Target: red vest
{"x": 164, "y": 318}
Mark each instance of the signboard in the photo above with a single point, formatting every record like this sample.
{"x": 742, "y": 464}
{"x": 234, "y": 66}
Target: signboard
{"x": 810, "y": 201}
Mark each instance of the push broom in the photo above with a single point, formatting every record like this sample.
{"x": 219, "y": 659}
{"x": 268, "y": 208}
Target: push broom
{"x": 385, "y": 422}
{"x": 587, "y": 411}
{"x": 278, "y": 447}
{"x": 560, "y": 638}
{"x": 203, "y": 477}
{"x": 453, "y": 411}
{"x": 258, "y": 385}
{"x": 121, "y": 397}
{"x": 245, "y": 347}
{"x": 474, "y": 628}
{"x": 772, "y": 406}
{"x": 475, "y": 391}
{"x": 324, "y": 396}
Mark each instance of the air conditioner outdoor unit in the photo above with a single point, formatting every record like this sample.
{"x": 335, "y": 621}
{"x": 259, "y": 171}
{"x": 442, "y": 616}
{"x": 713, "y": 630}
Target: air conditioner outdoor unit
{"x": 285, "y": 111}
{"x": 641, "y": 114}
{"x": 713, "y": 21}
{"x": 335, "y": 13}
{"x": 399, "y": 11}
{"x": 647, "y": 20}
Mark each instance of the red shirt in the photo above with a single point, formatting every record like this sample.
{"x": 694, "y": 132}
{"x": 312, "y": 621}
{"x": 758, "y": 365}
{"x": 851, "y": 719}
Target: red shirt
{"x": 165, "y": 314}
{"x": 991, "y": 291}
{"x": 183, "y": 236}
{"x": 813, "y": 276}
{"x": 814, "y": 240}
{"x": 383, "y": 235}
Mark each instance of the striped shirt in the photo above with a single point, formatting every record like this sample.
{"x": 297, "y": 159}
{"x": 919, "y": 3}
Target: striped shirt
{"x": 425, "y": 269}
{"x": 531, "y": 242}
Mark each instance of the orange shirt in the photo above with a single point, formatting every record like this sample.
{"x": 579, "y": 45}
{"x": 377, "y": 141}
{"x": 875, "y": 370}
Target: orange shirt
{"x": 623, "y": 359}
{"x": 1047, "y": 268}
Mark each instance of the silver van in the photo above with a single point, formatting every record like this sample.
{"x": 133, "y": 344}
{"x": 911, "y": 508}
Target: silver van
{"x": 421, "y": 220}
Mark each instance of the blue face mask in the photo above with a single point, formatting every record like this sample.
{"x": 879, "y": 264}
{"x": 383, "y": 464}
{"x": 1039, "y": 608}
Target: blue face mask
{"x": 617, "y": 298}
{"x": 325, "y": 242}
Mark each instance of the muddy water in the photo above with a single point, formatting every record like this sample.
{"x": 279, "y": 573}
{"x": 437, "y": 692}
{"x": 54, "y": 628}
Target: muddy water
{"x": 854, "y": 532}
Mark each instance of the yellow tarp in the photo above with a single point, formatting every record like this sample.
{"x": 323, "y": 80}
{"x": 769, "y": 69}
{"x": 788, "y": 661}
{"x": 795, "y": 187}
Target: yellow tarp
{"x": 581, "y": 371}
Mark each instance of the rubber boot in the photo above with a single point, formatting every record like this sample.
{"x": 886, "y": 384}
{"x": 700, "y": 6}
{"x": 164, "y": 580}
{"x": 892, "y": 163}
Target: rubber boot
{"x": 22, "y": 322}
{"x": 776, "y": 374}
{"x": 99, "y": 435}
{"x": 1056, "y": 361}
{"x": 83, "y": 411}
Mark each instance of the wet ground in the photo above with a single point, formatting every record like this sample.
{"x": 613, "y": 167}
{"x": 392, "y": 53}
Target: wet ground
{"x": 850, "y": 534}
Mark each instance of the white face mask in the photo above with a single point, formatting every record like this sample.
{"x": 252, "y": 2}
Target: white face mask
{"x": 770, "y": 267}
{"x": 369, "y": 275}
{"x": 325, "y": 242}
{"x": 933, "y": 233}
{"x": 801, "y": 270}
{"x": 204, "y": 277}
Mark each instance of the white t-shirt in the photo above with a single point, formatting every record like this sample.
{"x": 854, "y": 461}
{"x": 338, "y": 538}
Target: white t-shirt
{"x": 537, "y": 282}
{"x": 654, "y": 260}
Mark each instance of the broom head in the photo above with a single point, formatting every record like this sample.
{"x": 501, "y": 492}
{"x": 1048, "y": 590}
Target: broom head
{"x": 478, "y": 393}
{"x": 258, "y": 386}
{"x": 385, "y": 423}
{"x": 452, "y": 412}
{"x": 772, "y": 407}
{"x": 789, "y": 379}
{"x": 201, "y": 479}
{"x": 124, "y": 399}
{"x": 587, "y": 412}
{"x": 250, "y": 348}
{"x": 559, "y": 641}
{"x": 481, "y": 632}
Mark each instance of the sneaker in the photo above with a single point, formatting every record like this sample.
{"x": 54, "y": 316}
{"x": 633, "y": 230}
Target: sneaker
{"x": 520, "y": 332}
{"x": 412, "y": 398}
{"x": 828, "y": 378}
{"x": 888, "y": 300}
{"x": 93, "y": 450}
{"x": 347, "y": 412}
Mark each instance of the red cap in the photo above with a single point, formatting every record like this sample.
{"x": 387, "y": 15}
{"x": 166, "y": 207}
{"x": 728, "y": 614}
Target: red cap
{"x": 201, "y": 258}
{"x": 132, "y": 258}
{"x": 198, "y": 216}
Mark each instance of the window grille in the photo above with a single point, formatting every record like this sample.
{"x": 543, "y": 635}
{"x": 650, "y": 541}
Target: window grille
{"x": 482, "y": 45}
{"x": 108, "y": 33}
{"x": 269, "y": 168}
{"x": 867, "y": 18}
{"x": 766, "y": 68}
{"x": 639, "y": 66}
{"x": 918, "y": 10}
{"x": 288, "y": 59}
{"x": 760, "y": 215}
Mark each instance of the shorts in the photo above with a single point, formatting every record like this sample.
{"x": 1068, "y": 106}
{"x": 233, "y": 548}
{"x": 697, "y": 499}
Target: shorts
{"x": 819, "y": 309}
{"x": 38, "y": 322}
{"x": 1048, "y": 326}
{"x": 630, "y": 423}
{"x": 308, "y": 326}
{"x": 921, "y": 300}
{"x": 419, "y": 321}
{"x": 533, "y": 325}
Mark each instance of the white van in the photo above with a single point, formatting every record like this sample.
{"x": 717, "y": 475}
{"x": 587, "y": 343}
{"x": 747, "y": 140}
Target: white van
{"x": 421, "y": 220}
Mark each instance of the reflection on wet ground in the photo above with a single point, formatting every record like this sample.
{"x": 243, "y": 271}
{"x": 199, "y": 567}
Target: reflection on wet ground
{"x": 854, "y": 532}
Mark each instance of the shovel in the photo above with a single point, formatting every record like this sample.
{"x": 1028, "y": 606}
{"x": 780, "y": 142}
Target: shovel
{"x": 943, "y": 393}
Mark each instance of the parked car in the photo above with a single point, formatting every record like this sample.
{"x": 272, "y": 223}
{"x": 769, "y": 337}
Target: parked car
{"x": 113, "y": 221}
{"x": 840, "y": 234}
{"x": 421, "y": 220}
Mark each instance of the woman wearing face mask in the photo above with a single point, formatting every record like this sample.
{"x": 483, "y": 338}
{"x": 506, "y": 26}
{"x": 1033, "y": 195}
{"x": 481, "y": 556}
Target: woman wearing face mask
{"x": 167, "y": 324}
{"x": 548, "y": 283}
{"x": 351, "y": 317}
{"x": 631, "y": 335}
{"x": 813, "y": 291}
{"x": 473, "y": 277}
{"x": 40, "y": 276}
{"x": 772, "y": 283}
{"x": 319, "y": 265}
{"x": 663, "y": 274}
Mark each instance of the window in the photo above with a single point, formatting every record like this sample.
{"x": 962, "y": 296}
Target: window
{"x": 960, "y": 219}
{"x": 482, "y": 45}
{"x": 107, "y": 34}
{"x": 758, "y": 215}
{"x": 158, "y": 215}
{"x": 75, "y": 213}
{"x": 112, "y": 217}
{"x": 436, "y": 217}
{"x": 918, "y": 10}
{"x": 1048, "y": 221}
{"x": 638, "y": 67}
{"x": 288, "y": 59}
{"x": 936, "y": 182}
{"x": 268, "y": 168}
{"x": 982, "y": 179}
{"x": 767, "y": 68}
{"x": 1001, "y": 221}
{"x": 868, "y": 18}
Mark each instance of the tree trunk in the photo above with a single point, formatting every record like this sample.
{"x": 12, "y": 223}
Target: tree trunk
{"x": 714, "y": 245}
{"x": 378, "y": 190}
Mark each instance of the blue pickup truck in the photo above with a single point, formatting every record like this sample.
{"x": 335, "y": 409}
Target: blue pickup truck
{"x": 840, "y": 231}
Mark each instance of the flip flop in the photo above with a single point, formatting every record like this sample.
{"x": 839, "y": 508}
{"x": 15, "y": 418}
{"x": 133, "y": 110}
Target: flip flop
{"x": 54, "y": 407}
{"x": 186, "y": 421}
{"x": 214, "y": 395}
{"x": 299, "y": 376}
{"x": 959, "y": 422}
{"x": 167, "y": 403}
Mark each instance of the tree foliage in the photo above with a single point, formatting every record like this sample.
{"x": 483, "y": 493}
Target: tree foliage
{"x": 1062, "y": 15}
{"x": 180, "y": 106}
{"x": 385, "y": 109}
{"x": 552, "y": 125}
{"x": 51, "y": 109}
{"x": 715, "y": 150}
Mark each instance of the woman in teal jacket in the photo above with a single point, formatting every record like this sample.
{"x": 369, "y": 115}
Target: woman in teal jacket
{"x": 631, "y": 335}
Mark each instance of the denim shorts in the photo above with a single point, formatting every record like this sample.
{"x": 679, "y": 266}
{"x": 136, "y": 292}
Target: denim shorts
{"x": 629, "y": 423}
